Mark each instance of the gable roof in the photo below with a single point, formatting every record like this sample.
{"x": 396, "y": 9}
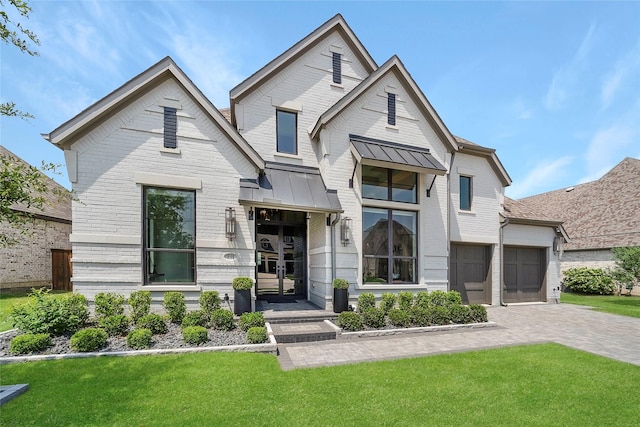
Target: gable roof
{"x": 474, "y": 149}
{"x": 57, "y": 206}
{"x": 393, "y": 65}
{"x": 517, "y": 212}
{"x": 600, "y": 214}
{"x": 337, "y": 23}
{"x": 94, "y": 115}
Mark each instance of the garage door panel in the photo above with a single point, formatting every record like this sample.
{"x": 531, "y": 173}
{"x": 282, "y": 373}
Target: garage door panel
{"x": 523, "y": 274}
{"x": 469, "y": 270}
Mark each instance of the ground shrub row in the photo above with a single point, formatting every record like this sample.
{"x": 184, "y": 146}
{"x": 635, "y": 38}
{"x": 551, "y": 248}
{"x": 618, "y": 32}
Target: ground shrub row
{"x": 45, "y": 316}
{"x": 406, "y": 310}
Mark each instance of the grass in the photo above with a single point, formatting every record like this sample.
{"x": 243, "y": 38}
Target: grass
{"x": 623, "y": 305}
{"x": 11, "y": 297}
{"x": 529, "y": 385}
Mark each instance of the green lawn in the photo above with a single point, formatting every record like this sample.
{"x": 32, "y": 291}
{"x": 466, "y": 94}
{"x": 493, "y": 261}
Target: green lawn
{"x": 530, "y": 385}
{"x": 9, "y": 298}
{"x": 624, "y": 305}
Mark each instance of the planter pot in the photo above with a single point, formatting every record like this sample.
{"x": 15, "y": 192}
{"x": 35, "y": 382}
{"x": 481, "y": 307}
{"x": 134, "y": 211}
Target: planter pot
{"x": 241, "y": 302}
{"x": 340, "y": 300}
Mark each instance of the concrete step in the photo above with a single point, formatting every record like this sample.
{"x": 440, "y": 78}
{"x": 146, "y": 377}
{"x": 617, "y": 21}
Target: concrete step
{"x": 303, "y": 331}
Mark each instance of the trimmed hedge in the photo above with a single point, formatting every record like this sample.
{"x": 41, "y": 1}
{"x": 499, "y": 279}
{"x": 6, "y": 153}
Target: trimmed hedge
{"x": 366, "y": 300}
{"x": 195, "y": 335}
{"x": 109, "y": 304}
{"x": 139, "y": 339}
{"x": 222, "y": 320}
{"x": 48, "y": 314}
{"x": 115, "y": 326}
{"x": 251, "y": 320}
{"x": 373, "y": 317}
{"x": 89, "y": 339}
{"x": 349, "y": 321}
{"x": 29, "y": 343}
{"x": 154, "y": 322}
{"x": 399, "y": 318}
{"x": 257, "y": 335}
{"x": 176, "y": 306}
{"x": 140, "y": 303}
{"x": 195, "y": 318}
{"x": 209, "y": 301}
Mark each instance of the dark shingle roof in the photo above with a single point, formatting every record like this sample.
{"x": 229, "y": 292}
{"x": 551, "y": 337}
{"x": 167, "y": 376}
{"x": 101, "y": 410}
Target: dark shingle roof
{"x": 600, "y": 214}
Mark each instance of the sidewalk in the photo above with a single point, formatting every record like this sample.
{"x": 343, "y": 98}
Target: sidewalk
{"x": 579, "y": 327}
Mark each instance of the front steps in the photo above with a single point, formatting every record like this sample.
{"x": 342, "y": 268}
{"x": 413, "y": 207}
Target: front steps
{"x": 304, "y": 331}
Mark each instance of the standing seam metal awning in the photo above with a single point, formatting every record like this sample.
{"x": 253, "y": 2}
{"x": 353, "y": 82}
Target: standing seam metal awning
{"x": 390, "y": 152}
{"x": 290, "y": 187}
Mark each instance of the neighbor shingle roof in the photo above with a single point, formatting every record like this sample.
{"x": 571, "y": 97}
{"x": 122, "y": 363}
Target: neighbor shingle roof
{"x": 600, "y": 214}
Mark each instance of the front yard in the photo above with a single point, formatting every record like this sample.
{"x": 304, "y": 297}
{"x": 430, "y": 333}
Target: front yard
{"x": 529, "y": 385}
{"x": 624, "y": 305}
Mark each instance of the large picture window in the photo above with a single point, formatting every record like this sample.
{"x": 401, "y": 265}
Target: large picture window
{"x": 389, "y": 245}
{"x": 287, "y": 138}
{"x": 169, "y": 236}
{"x": 389, "y": 184}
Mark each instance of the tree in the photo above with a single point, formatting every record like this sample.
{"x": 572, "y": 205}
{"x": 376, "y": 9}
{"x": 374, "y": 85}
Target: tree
{"x": 13, "y": 33}
{"x": 627, "y": 269}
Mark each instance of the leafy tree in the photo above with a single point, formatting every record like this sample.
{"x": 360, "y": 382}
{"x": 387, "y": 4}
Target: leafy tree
{"x": 627, "y": 269}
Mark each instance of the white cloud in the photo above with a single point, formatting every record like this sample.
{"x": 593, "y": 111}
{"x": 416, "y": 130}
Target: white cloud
{"x": 543, "y": 175}
{"x": 628, "y": 66}
{"x": 607, "y": 147}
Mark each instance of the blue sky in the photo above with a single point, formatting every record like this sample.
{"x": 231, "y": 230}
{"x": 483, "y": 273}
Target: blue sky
{"x": 554, "y": 87}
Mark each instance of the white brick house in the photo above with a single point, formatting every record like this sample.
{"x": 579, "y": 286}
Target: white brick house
{"x": 330, "y": 166}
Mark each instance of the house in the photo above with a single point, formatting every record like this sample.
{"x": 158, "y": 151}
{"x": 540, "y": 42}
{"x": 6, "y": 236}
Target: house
{"x": 598, "y": 215}
{"x": 41, "y": 256}
{"x": 328, "y": 165}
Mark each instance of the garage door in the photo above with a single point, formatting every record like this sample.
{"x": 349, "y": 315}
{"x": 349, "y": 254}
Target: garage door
{"x": 524, "y": 274}
{"x": 469, "y": 273}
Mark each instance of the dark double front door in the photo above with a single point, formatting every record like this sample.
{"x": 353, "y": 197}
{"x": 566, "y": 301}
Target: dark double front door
{"x": 281, "y": 261}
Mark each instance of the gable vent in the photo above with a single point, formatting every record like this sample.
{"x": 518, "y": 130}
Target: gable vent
{"x": 391, "y": 109}
{"x": 337, "y": 67}
{"x": 170, "y": 127}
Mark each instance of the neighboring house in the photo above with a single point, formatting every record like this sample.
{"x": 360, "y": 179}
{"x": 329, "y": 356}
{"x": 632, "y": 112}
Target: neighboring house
{"x": 42, "y": 255}
{"x": 597, "y": 215}
{"x": 327, "y": 166}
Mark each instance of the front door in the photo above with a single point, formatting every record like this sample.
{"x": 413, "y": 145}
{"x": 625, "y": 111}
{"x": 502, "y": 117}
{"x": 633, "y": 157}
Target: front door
{"x": 281, "y": 259}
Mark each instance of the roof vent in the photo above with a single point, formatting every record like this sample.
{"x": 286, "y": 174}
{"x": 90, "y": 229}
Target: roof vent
{"x": 569, "y": 189}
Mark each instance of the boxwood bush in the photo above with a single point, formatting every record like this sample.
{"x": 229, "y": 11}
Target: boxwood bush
{"x": 460, "y": 314}
{"x": 48, "y": 314}
{"x": 250, "y": 320}
{"x": 589, "y": 281}
{"x": 438, "y": 299}
{"x": 209, "y": 301}
{"x": 176, "y": 306}
{"x": 194, "y": 335}
{"x": 195, "y": 318}
{"x": 422, "y": 299}
{"x": 89, "y": 339}
{"x": 154, "y": 322}
{"x": 349, "y": 321}
{"x": 116, "y": 325}
{"x": 222, "y": 319}
{"x": 140, "y": 303}
{"x": 405, "y": 300}
{"x": 440, "y": 315}
{"x": 373, "y": 317}
{"x": 399, "y": 318}
{"x": 29, "y": 343}
{"x": 139, "y": 338}
{"x": 257, "y": 335}
{"x": 366, "y": 300}
{"x": 420, "y": 316}
{"x": 109, "y": 304}
{"x": 388, "y": 302}
{"x": 478, "y": 313}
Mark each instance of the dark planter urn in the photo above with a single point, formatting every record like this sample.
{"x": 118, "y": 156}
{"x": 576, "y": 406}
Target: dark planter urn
{"x": 241, "y": 301}
{"x": 340, "y": 300}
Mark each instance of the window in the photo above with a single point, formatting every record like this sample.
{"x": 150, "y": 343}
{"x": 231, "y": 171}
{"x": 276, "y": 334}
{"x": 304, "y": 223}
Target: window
{"x": 286, "y": 124}
{"x": 389, "y": 184}
{"x": 169, "y": 236}
{"x": 389, "y": 242}
{"x": 391, "y": 109}
{"x": 465, "y": 193}
{"x": 170, "y": 127}
{"x": 337, "y": 67}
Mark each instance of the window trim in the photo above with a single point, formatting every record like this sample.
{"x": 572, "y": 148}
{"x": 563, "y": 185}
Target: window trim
{"x": 468, "y": 197}
{"x": 295, "y": 132}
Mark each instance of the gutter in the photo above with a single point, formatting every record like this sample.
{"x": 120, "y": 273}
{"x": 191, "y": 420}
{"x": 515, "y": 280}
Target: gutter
{"x": 453, "y": 157}
{"x": 502, "y": 226}
{"x": 333, "y": 245}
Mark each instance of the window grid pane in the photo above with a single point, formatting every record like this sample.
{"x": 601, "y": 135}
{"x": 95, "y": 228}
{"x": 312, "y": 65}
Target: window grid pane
{"x": 286, "y": 132}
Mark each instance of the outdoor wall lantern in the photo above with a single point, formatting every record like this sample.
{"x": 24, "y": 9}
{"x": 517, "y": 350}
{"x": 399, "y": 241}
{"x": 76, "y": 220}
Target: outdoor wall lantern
{"x": 230, "y": 222}
{"x": 345, "y": 228}
{"x": 558, "y": 246}
{"x": 251, "y": 214}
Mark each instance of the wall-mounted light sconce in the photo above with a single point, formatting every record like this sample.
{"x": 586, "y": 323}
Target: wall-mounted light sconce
{"x": 251, "y": 214}
{"x": 230, "y": 222}
{"x": 345, "y": 228}
{"x": 558, "y": 246}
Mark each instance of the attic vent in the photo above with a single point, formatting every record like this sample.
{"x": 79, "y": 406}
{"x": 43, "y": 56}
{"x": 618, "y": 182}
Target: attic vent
{"x": 337, "y": 67}
{"x": 569, "y": 189}
{"x": 170, "y": 127}
{"x": 391, "y": 109}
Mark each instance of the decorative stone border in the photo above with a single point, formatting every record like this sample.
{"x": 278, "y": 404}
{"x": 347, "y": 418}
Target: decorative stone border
{"x": 404, "y": 331}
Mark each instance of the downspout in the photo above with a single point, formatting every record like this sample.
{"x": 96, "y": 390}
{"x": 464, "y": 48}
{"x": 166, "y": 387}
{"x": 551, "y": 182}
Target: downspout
{"x": 453, "y": 157}
{"x": 502, "y": 226}
{"x": 333, "y": 245}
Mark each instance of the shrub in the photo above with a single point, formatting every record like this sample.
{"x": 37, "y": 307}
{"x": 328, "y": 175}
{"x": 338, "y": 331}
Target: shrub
{"x": 47, "y": 314}
{"x": 366, "y": 300}
{"x": 373, "y": 318}
{"x": 222, "y": 319}
{"x": 154, "y": 322}
{"x": 257, "y": 335}
{"x": 454, "y": 298}
{"x": 195, "y": 335}
{"x": 478, "y": 313}
{"x": 440, "y": 315}
{"x": 140, "y": 303}
{"x": 349, "y": 321}
{"x": 627, "y": 269}
{"x": 420, "y": 316}
{"x": 460, "y": 314}
{"x": 139, "y": 338}
{"x": 340, "y": 284}
{"x": 174, "y": 303}
{"x": 115, "y": 326}
{"x": 209, "y": 301}
{"x": 405, "y": 300}
{"x": 422, "y": 299}
{"x": 388, "y": 302}
{"x": 89, "y": 339}
{"x": 399, "y": 318}
{"x": 250, "y": 320}
{"x": 109, "y": 304}
{"x": 195, "y": 318}
{"x": 438, "y": 299}
{"x": 242, "y": 283}
{"x": 589, "y": 281}
{"x": 29, "y": 343}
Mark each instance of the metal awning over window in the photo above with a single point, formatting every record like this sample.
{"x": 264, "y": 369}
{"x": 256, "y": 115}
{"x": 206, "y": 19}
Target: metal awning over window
{"x": 289, "y": 187}
{"x": 377, "y": 151}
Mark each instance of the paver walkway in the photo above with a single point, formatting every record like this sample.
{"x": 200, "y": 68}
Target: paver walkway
{"x": 609, "y": 335}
